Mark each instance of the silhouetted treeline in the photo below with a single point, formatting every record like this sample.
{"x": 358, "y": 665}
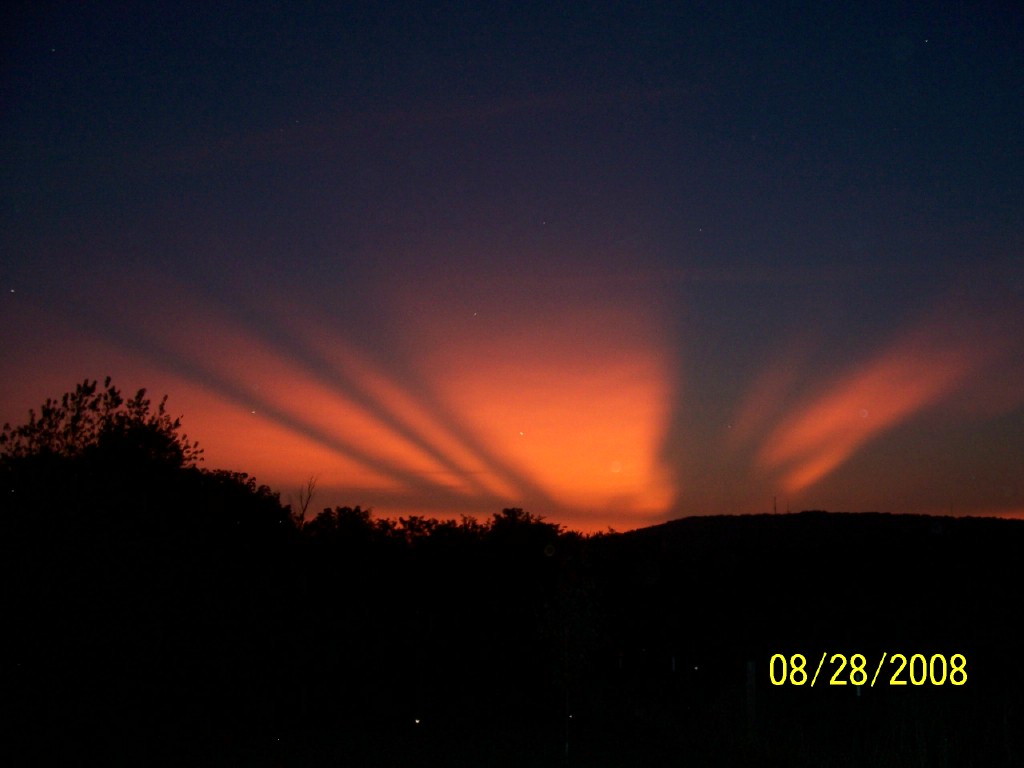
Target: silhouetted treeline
{"x": 159, "y": 613}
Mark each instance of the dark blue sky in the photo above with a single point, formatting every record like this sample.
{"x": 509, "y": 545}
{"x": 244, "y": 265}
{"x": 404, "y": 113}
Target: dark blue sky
{"x": 607, "y": 262}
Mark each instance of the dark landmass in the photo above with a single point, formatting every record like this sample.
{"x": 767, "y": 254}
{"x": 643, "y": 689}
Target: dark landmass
{"x": 225, "y": 640}
{"x": 159, "y": 614}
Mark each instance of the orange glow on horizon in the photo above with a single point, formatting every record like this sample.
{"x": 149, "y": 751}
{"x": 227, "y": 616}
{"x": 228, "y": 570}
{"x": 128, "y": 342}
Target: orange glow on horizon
{"x": 587, "y": 433}
{"x": 573, "y": 396}
{"x": 560, "y": 410}
{"x": 915, "y": 373}
{"x": 569, "y": 405}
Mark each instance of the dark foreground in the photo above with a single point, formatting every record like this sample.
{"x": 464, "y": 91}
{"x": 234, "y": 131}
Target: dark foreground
{"x": 189, "y": 619}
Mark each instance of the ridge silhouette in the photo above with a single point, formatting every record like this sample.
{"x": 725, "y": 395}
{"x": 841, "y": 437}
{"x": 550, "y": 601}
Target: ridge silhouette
{"x": 163, "y": 613}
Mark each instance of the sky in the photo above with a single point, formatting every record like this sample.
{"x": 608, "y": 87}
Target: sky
{"x": 611, "y": 263}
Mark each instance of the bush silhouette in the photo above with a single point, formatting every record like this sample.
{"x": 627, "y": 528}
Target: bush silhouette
{"x": 92, "y": 422}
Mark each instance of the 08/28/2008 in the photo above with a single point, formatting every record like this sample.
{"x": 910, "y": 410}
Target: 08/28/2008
{"x": 918, "y": 669}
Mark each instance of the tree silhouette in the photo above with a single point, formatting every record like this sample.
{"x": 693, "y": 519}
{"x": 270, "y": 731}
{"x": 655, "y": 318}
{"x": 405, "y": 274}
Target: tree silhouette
{"x": 305, "y": 499}
{"x": 91, "y": 421}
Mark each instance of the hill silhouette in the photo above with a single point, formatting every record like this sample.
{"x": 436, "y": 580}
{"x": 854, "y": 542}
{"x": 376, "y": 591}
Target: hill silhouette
{"x": 160, "y": 613}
